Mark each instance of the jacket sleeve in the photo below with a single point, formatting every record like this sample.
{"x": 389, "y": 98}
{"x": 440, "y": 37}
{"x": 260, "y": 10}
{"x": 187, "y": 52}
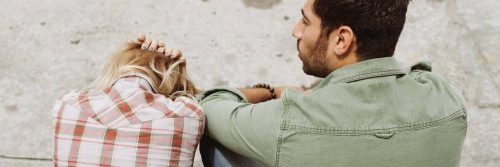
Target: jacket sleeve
{"x": 248, "y": 129}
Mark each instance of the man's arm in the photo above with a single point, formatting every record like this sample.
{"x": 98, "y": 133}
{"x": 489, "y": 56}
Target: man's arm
{"x": 248, "y": 129}
{"x": 256, "y": 95}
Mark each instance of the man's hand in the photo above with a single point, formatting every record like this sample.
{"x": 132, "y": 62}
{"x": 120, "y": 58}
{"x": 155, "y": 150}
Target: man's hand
{"x": 155, "y": 45}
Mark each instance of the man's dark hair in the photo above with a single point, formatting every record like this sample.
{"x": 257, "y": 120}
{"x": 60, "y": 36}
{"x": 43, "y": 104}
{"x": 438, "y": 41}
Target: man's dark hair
{"x": 377, "y": 24}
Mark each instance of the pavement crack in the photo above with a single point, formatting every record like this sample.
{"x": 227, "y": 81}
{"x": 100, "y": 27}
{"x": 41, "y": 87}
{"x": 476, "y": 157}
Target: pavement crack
{"x": 25, "y": 158}
{"x": 493, "y": 106}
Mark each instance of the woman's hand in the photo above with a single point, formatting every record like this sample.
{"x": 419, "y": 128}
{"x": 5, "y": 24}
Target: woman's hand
{"x": 158, "y": 46}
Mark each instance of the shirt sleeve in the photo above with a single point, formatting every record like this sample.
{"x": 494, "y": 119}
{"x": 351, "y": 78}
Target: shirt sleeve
{"x": 248, "y": 129}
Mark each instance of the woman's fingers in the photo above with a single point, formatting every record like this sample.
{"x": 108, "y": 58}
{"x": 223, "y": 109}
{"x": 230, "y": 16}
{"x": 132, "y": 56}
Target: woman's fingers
{"x": 176, "y": 53}
{"x": 135, "y": 41}
{"x": 161, "y": 50}
{"x": 149, "y": 44}
{"x": 168, "y": 52}
{"x": 146, "y": 44}
{"x": 153, "y": 46}
{"x": 141, "y": 37}
{"x": 139, "y": 40}
{"x": 159, "y": 46}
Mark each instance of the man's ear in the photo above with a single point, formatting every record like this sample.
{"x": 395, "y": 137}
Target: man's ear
{"x": 344, "y": 39}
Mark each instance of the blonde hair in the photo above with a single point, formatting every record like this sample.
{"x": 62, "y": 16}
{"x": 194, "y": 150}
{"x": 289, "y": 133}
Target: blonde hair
{"x": 169, "y": 77}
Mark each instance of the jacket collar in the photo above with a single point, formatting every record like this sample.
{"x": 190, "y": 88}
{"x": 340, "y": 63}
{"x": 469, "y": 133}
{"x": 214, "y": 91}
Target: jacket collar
{"x": 371, "y": 68}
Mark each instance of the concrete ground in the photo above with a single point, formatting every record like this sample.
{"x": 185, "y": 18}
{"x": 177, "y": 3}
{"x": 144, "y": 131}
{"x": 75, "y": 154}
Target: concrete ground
{"x": 51, "y": 47}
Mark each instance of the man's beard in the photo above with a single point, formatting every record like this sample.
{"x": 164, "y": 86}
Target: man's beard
{"x": 316, "y": 62}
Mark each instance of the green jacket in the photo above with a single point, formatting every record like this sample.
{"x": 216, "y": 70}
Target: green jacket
{"x": 370, "y": 113}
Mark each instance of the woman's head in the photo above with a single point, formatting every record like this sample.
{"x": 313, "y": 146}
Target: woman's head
{"x": 169, "y": 76}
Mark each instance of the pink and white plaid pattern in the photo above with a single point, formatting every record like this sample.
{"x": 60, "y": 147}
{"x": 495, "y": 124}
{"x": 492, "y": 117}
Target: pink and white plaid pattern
{"x": 127, "y": 124}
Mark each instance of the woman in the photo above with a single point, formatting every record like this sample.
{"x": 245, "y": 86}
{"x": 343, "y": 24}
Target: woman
{"x": 139, "y": 112}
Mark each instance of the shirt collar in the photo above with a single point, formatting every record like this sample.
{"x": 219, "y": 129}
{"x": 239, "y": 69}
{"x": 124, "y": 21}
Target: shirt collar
{"x": 147, "y": 84}
{"x": 365, "y": 69}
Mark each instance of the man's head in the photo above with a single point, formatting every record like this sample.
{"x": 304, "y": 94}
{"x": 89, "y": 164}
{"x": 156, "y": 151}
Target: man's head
{"x": 336, "y": 33}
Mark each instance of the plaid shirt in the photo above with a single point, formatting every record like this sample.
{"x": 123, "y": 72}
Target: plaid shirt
{"x": 127, "y": 124}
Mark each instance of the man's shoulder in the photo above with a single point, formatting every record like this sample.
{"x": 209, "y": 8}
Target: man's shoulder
{"x": 418, "y": 96}
{"x": 421, "y": 73}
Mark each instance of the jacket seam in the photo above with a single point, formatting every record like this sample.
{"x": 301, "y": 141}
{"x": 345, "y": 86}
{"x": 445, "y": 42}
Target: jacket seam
{"x": 369, "y": 75}
{"x": 283, "y": 125}
{"x": 354, "y": 132}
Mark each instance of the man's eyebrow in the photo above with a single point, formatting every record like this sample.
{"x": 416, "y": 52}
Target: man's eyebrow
{"x": 304, "y": 15}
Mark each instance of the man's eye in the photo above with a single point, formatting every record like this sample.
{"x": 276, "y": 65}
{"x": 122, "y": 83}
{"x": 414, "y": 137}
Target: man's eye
{"x": 304, "y": 21}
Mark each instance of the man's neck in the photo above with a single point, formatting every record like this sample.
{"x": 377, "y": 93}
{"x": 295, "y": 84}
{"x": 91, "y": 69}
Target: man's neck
{"x": 345, "y": 61}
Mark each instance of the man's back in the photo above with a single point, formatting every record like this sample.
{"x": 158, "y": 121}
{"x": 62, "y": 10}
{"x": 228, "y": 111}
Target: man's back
{"x": 366, "y": 114}
{"x": 372, "y": 114}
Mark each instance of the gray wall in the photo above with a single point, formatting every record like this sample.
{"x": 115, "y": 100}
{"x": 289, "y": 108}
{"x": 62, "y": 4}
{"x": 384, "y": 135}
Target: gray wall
{"x": 53, "y": 46}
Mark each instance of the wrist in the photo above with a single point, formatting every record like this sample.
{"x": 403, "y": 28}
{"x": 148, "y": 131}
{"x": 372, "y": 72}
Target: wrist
{"x": 271, "y": 90}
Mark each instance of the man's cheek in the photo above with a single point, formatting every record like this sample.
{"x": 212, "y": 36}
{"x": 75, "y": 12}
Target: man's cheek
{"x": 302, "y": 49}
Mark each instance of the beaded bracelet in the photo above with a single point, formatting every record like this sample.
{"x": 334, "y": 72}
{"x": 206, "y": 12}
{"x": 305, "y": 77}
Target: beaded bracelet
{"x": 268, "y": 87}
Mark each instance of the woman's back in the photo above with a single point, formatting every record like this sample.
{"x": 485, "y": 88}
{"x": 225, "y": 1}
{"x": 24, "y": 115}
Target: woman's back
{"x": 128, "y": 123}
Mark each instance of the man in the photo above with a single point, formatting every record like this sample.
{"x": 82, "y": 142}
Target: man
{"x": 366, "y": 112}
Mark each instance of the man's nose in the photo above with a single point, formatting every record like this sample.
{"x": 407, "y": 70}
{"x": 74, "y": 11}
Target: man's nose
{"x": 297, "y": 31}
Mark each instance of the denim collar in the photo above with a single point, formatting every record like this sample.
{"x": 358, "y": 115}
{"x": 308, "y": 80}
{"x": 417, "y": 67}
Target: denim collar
{"x": 371, "y": 68}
